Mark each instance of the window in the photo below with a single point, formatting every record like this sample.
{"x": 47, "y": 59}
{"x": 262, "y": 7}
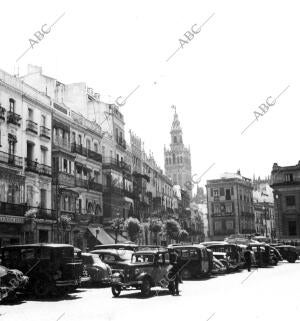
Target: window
{"x": 43, "y": 198}
{"x": 228, "y": 196}
{"x": 289, "y": 177}
{"x": 73, "y": 137}
{"x": 103, "y": 151}
{"x": 211, "y": 192}
{"x": 65, "y": 165}
{"x": 175, "y": 140}
{"x": 43, "y": 156}
{"x": 29, "y": 195}
{"x": 43, "y": 120}
{"x": 228, "y": 208}
{"x": 218, "y": 226}
{"x": 290, "y": 200}
{"x": 292, "y": 228}
{"x": 12, "y": 104}
{"x": 222, "y": 191}
{"x": 232, "y": 191}
{"x": 79, "y": 140}
{"x": 88, "y": 144}
{"x": 229, "y": 225}
{"x": 216, "y": 192}
{"x": 217, "y": 209}
{"x": 30, "y": 114}
{"x": 96, "y": 147}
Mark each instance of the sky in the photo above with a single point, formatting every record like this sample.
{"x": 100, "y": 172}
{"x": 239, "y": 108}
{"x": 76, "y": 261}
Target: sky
{"x": 245, "y": 54}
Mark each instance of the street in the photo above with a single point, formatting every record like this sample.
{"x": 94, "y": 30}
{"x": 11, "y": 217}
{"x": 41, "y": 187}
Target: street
{"x": 263, "y": 294}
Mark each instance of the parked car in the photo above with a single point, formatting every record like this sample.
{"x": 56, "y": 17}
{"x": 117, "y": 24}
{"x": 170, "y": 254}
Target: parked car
{"x": 146, "y": 269}
{"x": 115, "y": 258}
{"x": 11, "y": 281}
{"x": 242, "y": 248}
{"x": 51, "y": 267}
{"x": 288, "y": 252}
{"x": 218, "y": 266}
{"x": 229, "y": 254}
{"x": 276, "y": 253}
{"x": 263, "y": 254}
{"x": 98, "y": 271}
{"x": 195, "y": 259}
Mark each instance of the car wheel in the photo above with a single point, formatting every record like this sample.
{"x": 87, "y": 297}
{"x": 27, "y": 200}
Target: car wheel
{"x": 42, "y": 288}
{"x": 186, "y": 274}
{"x": 146, "y": 287}
{"x": 291, "y": 260}
{"x": 116, "y": 290}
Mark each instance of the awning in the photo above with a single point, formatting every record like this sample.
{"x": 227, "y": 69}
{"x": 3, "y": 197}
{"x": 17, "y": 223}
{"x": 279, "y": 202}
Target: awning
{"x": 121, "y": 239}
{"x": 100, "y": 234}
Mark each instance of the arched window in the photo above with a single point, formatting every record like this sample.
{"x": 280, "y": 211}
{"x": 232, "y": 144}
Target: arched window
{"x": 175, "y": 140}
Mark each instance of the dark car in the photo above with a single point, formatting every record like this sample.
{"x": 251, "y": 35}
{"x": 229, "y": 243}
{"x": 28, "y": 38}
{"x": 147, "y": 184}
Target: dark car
{"x": 227, "y": 253}
{"x": 195, "y": 260}
{"x": 115, "y": 258}
{"x": 264, "y": 256}
{"x": 146, "y": 269}
{"x": 11, "y": 281}
{"x": 51, "y": 268}
{"x": 98, "y": 271}
{"x": 288, "y": 252}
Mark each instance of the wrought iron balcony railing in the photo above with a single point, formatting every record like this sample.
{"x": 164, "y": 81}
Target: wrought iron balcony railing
{"x": 13, "y": 118}
{"x": 113, "y": 163}
{"x": 45, "y": 132}
{"x": 79, "y": 149}
{"x": 11, "y": 160}
{"x": 31, "y": 126}
{"x": 2, "y": 112}
{"x": 61, "y": 142}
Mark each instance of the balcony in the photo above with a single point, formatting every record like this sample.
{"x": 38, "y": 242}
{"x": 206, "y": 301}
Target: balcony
{"x": 11, "y": 160}
{"x": 113, "y": 163}
{"x": 45, "y": 132}
{"x": 79, "y": 149}
{"x": 2, "y": 112}
{"x": 88, "y": 218}
{"x": 13, "y": 118}
{"x": 62, "y": 142}
{"x": 31, "y": 166}
{"x": 45, "y": 170}
{"x": 31, "y": 126}
{"x": 62, "y": 178}
{"x": 12, "y": 209}
{"x": 121, "y": 142}
{"x": 88, "y": 184}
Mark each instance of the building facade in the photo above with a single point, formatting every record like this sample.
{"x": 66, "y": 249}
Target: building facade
{"x": 285, "y": 181}
{"x": 25, "y": 163}
{"x": 230, "y": 206}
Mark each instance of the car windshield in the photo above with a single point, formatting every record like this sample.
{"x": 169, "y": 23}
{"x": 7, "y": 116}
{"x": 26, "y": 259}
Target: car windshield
{"x": 142, "y": 258}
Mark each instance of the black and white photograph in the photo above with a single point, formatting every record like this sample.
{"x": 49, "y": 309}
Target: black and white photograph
{"x": 148, "y": 160}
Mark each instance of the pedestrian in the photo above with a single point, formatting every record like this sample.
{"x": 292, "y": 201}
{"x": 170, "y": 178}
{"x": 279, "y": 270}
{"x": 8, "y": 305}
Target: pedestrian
{"x": 174, "y": 273}
{"x": 247, "y": 257}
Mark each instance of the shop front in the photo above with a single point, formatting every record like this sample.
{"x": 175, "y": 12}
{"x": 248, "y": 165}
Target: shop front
{"x": 11, "y": 230}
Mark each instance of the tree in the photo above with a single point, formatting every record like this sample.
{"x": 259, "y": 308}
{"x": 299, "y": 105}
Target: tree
{"x": 183, "y": 235}
{"x": 156, "y": 227}
{"x": 133, "y": 227}
{"x": 172, "y": 229}
{"x": 117, "y": 225}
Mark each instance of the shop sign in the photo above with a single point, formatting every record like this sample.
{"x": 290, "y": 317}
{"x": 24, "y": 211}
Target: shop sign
{"x": 11, "y": 219}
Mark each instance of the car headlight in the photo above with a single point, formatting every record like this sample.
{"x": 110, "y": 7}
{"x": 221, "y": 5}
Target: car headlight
{"x": 136, "y": 271}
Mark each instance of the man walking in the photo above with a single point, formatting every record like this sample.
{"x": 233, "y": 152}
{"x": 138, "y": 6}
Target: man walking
{"x": 247, "y": 256}
{"x": 174, "y": 273}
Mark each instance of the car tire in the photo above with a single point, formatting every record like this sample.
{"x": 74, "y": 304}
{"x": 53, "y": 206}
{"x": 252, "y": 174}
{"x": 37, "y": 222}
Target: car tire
{"x": 42, "y": 288}
{"x": 291, "y": 260}
{"x": 116, "y": 290}
{"x": 146, "y": 287}
{"x": 186, "y": 274}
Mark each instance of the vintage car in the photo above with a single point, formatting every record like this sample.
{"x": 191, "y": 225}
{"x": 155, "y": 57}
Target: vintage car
{"x": 147, "y": 268}
{"x": 51, "y": 268}
{"x": 276, "y": 253}
{"x": 288, "y": 252}
{"x": 242, "y": 249}
{"x": 115, "y": 258}
{"x": 11, "y": 281}
{"x": 227, "y": 253}
{"x": 264, "y": 256}
{"x": 195, "y": 259}
{"x": 98, "y": 271}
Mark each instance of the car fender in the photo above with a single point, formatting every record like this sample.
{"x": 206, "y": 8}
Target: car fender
{"x": 144, "y": 275}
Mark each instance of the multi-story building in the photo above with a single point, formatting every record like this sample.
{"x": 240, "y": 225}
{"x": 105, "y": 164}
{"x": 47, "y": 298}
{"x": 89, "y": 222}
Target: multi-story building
{"x": 285, "y": 181}
{"x": 263, "y": 202}
{"x": 25, "y": 163}
{"x": 230, "y": 206}
{"x": 178, "y": 157}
